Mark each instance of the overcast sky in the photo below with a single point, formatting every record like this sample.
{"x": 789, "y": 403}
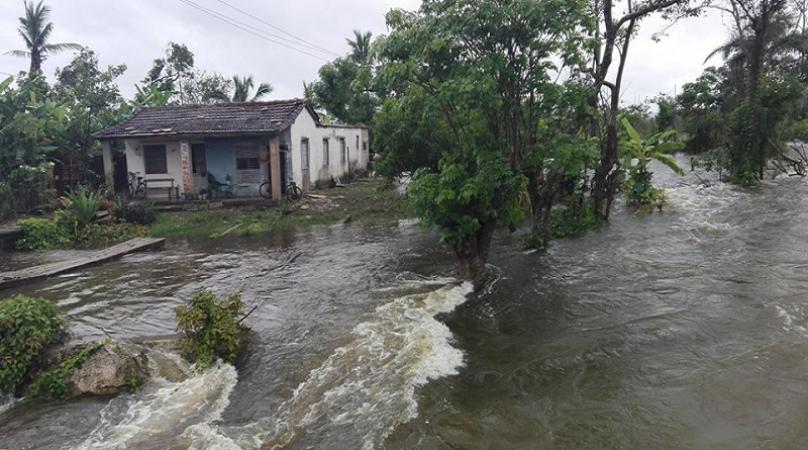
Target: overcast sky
{"x": 135, "y": 32}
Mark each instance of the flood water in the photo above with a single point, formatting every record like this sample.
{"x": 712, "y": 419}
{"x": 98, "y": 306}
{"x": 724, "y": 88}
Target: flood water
{"x": 686, "y": 329}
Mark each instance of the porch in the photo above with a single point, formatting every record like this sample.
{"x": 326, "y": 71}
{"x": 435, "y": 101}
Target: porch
{"x": 190, "y": 168}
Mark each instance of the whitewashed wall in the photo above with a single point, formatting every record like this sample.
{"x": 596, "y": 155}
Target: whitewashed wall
{"x": 306, "y": 127}
{"x": 135, "y": 163}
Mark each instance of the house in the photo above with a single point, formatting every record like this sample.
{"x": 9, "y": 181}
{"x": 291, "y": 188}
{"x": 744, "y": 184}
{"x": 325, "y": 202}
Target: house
{"x": 187, "y": 148}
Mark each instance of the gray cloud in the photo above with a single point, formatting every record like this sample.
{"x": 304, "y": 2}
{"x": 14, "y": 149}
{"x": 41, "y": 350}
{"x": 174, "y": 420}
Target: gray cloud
{"x": 135, "y": 32}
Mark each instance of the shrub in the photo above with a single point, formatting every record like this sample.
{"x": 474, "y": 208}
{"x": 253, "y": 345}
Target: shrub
{"x": 31, "y": 187}
{"x": 27, "y": 326}
{"x": 573, "y": 221}
{"x": 139, "y": 213}
{"x": 81, "y": 207}
{"x": 798, "y": 131}
{"x": 210, "y": 327}
{"x": 53, "y": 383}
{"x": 41, "y": 234}
{"x": 7, "y": 208}
{"x": 103, "y": 235}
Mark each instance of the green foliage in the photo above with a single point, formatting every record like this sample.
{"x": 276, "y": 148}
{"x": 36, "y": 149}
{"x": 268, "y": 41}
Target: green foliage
{"x": 42, "y": 234}
{"x": 27, "y": 327}
{"x": 573, "y": 221}
{"x": 28, "y": 118}
{"x": 53, "y": 384}
{"x": 637, "y": 154}
{"x": 344, "y": 90}
{"x": 798, "y": 131}
{"x": 80, "y": 208}
{"x": 210, "y": 327}
{"x": 141, "y": 213}
{"x": 31, "y": 185}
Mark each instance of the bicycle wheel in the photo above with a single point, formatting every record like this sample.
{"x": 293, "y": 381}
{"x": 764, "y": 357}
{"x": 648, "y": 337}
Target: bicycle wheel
{"x": 140, "y": 192}
{"x": 265, "y": 190}
{"x": 294, "y": 192}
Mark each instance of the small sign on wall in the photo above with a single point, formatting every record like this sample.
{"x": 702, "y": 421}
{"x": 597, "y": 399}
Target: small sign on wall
{"x": 185, "y": 165}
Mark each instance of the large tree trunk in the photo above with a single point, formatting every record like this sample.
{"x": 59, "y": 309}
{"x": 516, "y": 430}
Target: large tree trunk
{"x": 472, "y": 252}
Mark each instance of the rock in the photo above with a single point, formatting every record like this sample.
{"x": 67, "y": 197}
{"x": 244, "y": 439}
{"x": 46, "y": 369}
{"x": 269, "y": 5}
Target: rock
{"x": 114, "y": 368}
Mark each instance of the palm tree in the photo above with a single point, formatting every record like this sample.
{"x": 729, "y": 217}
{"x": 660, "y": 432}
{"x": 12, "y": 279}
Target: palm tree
{"x": 360, "y": 46}
{"x": 242, "y": 87}
{"x": 35, "y": 31}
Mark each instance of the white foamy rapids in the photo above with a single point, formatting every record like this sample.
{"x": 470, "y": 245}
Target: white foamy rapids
{"x": 794, "y": 320}
{"x": 703, "y": 209}
{"x": 366, "y": 388}
{"x": 161, "y": 410}
{"x": 6, "y": 402}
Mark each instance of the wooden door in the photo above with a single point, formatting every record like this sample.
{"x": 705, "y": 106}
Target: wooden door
{"x": 304, "y": 164}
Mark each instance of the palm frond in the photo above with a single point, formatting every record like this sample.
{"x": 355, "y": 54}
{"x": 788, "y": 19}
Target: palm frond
{"x": 19, "y": 53}
{"x": 668, "y": 161}
{"x": 263, "y": 89}
{"x": 56, "y": 48}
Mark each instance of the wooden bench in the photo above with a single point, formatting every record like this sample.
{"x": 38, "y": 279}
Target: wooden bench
{"x": 172, "y": 190}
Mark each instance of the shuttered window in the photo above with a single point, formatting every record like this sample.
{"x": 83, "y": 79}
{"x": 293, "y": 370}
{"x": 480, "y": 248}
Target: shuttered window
{"x": 154, "y": 159}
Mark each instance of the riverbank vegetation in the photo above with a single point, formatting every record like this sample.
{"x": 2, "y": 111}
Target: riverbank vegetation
{"x": 503, "y": 114}
{"x": 211, "y": 328}
{"x": 368, "y": 203}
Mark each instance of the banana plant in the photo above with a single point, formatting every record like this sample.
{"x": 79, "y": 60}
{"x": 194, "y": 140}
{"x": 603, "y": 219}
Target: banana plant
{"x": 637, "y": 153}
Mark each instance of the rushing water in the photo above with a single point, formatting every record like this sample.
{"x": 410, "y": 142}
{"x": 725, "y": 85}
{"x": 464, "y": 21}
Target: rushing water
{"x": 685, "y": 329}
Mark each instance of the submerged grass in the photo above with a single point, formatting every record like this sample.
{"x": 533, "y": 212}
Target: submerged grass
{"x": 366, "y": 202}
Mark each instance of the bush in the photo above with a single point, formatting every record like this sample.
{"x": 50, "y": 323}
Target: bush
{"x": 211, "y": 328}
{"x": 573, "y": 221}
{"x": 798, "y": 131}
{"x": 53, "y": 384}
{"x": 104, "y": 235}
{"x": 42, "y": 234}
{"x": 139, "y": 213}
{"x": 27, "y": 326}
{"x": 7, "y": 208}
{"x": 81, "y": 207}
{"x": 31, "y": 188}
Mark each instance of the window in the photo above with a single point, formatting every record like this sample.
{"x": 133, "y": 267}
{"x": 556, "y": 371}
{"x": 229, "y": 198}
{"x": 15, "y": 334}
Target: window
{"x": 365, "y": 145}
{"x": 326, "y": 156}
{"x": 343, "y": 151}
{"x": 357, "y": 144}
{"x": 247, "y": 164}
{"x": 198, "y": 160}
{"x": 154, "y": 159}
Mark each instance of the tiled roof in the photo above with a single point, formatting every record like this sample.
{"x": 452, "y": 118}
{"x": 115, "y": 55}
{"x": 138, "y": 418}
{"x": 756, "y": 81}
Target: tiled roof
{"x": 216, "y": 119}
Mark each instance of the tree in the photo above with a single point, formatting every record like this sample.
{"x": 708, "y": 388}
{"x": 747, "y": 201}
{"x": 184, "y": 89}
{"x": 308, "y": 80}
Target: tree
{"x": 615, "y": 33}
{"x": 175, "y": 73}
{"x": 345, "y": 91}
{"x": 360, "y": 47}
{"x": 242, "y": 87}
{"x": 481, "y": 72}
{"x": 92, "y": 102}
{"x": 35, "y": 31}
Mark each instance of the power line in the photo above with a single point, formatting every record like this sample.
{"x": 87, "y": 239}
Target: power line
{"x": 292, "y": 35}
{"x": 247, "y": 28}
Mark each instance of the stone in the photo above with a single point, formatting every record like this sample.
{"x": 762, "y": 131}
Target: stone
{"x": 114, "y": 368}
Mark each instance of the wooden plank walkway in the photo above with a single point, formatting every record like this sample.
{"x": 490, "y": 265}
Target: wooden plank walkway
{"x": 31, "y": 274}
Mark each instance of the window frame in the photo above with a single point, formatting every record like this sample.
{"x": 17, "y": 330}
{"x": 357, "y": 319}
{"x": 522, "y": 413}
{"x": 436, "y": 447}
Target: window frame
{"x": 326, "y": 153}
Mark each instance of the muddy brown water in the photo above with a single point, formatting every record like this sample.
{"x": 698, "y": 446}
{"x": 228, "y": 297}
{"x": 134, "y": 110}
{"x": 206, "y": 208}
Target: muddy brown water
{"x": 686, "y": 329}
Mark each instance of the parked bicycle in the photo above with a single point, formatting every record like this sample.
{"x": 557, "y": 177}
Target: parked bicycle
{"x": 293, "y": 191}
{"x": 137, "y": 187}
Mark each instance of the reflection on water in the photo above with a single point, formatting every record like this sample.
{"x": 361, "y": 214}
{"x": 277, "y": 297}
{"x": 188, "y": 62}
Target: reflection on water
{"x": 685, "y": 329}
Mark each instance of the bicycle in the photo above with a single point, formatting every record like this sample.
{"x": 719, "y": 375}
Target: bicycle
{"x": 293, "y": 191}
{"x": 137, "y": 187}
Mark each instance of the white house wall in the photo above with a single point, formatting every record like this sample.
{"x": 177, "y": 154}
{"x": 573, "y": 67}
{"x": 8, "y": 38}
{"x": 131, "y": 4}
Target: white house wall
{"x": 135, "y": 163}
{"x": 306, "y": 127}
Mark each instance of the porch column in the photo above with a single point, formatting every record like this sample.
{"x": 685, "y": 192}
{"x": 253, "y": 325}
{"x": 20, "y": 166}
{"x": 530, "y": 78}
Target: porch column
{"x": 275, "y": 166}
{"x": 185, "y": 167}
{"x": 109, "y": 169}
